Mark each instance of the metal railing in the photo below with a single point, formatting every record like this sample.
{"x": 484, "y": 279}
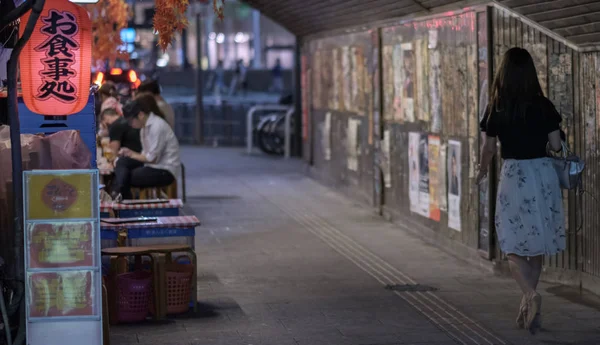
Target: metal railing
{"x": 272, "y": 107}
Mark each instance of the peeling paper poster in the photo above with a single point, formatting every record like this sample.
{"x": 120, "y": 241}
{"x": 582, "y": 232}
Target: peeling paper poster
{"x": 442, "y": 188}
{"x": 414, "y": 175}
{"x": 352, "y": 142}
{"x": 434, "y": 178}
{"x": 424, "y": 201}
{"x": 326, "y": 137}
{"x": 408, "y": 74}
{"x": 435, "y": 91}
{"x": 385, "y": 163}
{"x": 454, "y": 184}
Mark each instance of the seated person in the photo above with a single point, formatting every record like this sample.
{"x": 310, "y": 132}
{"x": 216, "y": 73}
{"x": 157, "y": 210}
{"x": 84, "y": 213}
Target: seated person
{"x": 152, "y": 87}
{"x": 159, "y": 156}
{"x": 121, "y": 134}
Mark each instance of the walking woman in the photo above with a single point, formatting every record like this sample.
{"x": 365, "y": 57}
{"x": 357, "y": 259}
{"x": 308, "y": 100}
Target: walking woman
{"x": 529, "y": 211}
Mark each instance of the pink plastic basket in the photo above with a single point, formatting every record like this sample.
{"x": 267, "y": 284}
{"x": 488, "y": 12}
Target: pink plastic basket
{"x": 134, "y": 292}
{"x": 179, "y": 288}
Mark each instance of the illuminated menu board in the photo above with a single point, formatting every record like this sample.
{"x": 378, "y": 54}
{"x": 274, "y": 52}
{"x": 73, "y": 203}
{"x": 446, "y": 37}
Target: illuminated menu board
{"x": 62, "y": 257}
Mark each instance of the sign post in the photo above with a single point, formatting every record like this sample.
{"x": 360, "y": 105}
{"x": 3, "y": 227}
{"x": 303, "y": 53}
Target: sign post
{"x": 62, "y": 257}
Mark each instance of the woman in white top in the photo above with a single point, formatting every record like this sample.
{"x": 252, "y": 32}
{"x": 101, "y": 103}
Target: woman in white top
{"x": 159, "y": 156}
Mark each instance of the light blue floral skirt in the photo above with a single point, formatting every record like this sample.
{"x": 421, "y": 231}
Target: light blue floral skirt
{"x": 530, "y": 220}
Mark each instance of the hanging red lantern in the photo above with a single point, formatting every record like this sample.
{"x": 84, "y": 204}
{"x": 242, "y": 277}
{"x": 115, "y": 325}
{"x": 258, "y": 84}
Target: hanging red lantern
{"x": 56, "y": 61}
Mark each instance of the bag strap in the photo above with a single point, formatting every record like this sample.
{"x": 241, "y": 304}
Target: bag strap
{"x": 564, "y": 149}
{"x": 579, "y": 192}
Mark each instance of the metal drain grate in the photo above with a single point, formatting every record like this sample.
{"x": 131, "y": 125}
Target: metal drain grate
{"x": 410, "y": 288}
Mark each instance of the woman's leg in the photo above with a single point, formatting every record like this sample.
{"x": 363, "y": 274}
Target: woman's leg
{"x": 146, "y": 177}
{"x": 123, "y": 172}
{"x": 535, "y": 262}
{"x": 521, "y": 273}
{"x": 536, "y": 270}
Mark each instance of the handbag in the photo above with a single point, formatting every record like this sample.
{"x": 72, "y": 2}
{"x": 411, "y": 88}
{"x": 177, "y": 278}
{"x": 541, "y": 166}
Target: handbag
{"x": 568, "y": 167}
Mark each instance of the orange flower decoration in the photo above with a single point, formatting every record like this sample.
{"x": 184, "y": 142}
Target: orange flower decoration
{"x": 108, "y": 18}
{"x": 219, "y": 10}
{"x": 169, "y": 19}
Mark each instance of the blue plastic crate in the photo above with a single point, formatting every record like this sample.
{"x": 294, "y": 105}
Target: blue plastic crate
{"x": 108, "y": 234}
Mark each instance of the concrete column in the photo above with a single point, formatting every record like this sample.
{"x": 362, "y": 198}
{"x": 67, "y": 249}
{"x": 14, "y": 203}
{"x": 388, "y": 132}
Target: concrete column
{"x": 256, "y": 39}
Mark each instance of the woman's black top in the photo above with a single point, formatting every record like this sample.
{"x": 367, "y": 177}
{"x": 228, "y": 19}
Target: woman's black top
{"x": 522, "y": 135}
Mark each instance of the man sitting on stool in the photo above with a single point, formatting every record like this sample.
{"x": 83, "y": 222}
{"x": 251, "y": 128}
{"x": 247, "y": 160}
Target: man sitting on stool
{"x": 160, "y": 153}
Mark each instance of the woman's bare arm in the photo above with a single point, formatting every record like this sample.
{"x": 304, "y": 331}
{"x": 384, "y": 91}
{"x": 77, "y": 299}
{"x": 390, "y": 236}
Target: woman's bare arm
{"x": 555, "y": 140}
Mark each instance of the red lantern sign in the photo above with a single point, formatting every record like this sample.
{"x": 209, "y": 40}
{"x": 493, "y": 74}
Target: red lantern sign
{"x": 56, "y": 61}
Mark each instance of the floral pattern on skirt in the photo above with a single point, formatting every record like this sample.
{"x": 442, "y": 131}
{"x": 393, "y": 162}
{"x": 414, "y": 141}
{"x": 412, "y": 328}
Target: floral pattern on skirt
{"x": 530, "y": 220}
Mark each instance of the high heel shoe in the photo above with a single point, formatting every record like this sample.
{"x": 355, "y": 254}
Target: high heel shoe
{"x": 534, "y": 305}
{"x": 522, "y": 312}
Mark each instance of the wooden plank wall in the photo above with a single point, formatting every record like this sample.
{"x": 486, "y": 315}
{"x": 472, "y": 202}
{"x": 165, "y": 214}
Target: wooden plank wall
{"x": 341, "y": 97}
{"x": 444, "y": 107}
{"x": 447, "y": 92}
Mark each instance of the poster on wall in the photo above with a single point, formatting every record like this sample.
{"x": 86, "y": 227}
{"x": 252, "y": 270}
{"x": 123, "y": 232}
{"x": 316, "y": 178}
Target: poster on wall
{"x": 434, "y": 181}
{"x": 362, "y": 82}
{"x": 385, "y": 159}
{"x": 318, "y": 81}
{"x": 326, "y": 136}
{"x": 414, "y": 175}
{"x": 422, "y": 81}
{"x": 346, "y": 79}
{"x": 423, "y": 150}
{"x": 334, "y": 97}
{"x": 408, "y": 89}
{"x": 442, "y": 186}
{"x": 454, "y": 184}
{"x": 435, "y": 90}
{"x": 352, "y": 142}
{"x": 354, "y": 84}
{"x": 398, "y": 78}
{"x": 388, "y": 83}
{"x": 461, "y": 95}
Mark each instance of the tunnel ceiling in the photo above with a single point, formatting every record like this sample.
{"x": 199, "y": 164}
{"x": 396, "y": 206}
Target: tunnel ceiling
{"x": 577, "y": 21}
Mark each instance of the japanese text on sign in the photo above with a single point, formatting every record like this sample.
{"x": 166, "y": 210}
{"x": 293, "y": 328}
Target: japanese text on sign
{"x": 60, "y": 27}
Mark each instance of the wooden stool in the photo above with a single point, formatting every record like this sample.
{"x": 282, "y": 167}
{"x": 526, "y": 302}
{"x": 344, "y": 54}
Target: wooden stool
{"x": 166, "y": 192}
{"x": 170, "y": 190}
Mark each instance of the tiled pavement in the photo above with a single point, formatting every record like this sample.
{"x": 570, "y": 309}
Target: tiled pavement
{"x": 284, "y": 260}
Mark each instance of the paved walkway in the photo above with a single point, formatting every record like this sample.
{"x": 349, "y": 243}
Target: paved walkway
{"x": 284, "y": 260}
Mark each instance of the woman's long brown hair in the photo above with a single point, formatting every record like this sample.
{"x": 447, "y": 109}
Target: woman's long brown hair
{"x": 516, "y": 84}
